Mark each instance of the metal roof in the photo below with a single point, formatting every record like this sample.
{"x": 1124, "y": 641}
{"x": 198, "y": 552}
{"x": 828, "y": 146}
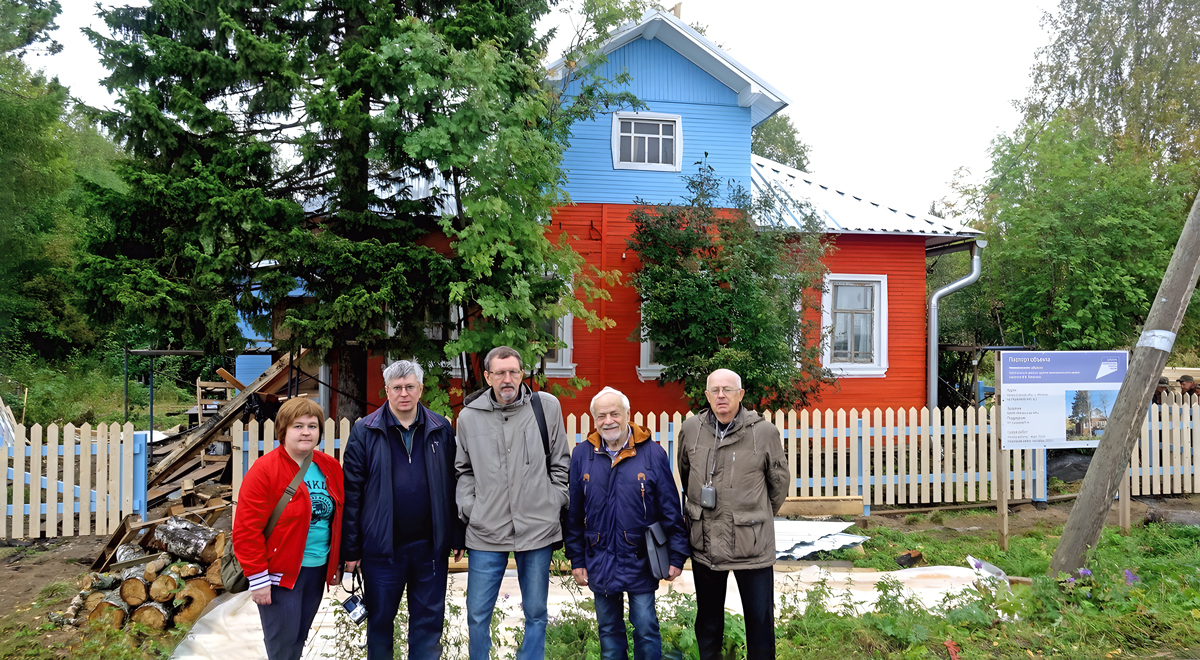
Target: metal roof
{"x": 753, "y": 91}
{"x": 846, "y": 213}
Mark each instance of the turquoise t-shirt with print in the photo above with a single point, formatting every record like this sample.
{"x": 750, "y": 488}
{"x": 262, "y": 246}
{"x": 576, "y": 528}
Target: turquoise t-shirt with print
{"x": 320, "y": 529}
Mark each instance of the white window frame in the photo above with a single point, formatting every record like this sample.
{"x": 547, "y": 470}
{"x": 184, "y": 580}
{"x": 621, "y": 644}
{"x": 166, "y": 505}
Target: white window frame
{"x": 617, "y": 117}
{"x": 563, "y": 367}
{"x": 647, "y": 370}
{"x": 878, "y": 368}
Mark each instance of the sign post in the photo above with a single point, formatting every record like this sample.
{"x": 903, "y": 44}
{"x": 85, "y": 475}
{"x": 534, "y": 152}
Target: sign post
{"x": 1053, "y": 400}
{"x": 1002, "y": 470}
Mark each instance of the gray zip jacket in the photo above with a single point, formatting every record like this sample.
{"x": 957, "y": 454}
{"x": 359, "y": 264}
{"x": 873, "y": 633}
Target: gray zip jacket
{"x": 505, "y": 495}
{"x": 750, "y": 474}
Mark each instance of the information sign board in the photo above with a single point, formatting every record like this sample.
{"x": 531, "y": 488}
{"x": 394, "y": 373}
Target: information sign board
{"x": 1057, "y": 399}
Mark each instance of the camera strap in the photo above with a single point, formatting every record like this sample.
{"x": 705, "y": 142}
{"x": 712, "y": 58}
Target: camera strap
{"x": 718, "y": 436}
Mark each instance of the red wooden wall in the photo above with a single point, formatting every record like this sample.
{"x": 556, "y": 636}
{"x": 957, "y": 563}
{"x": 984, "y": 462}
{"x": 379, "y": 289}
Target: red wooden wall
{"x": 610, "y": 357}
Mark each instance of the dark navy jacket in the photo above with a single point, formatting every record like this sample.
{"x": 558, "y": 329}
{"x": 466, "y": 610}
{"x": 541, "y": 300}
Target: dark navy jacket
{"x": 367, "y": 519}
{"x": 612, "y": 503}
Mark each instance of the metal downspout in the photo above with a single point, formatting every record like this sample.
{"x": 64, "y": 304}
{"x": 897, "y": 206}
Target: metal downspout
{"x": 934, "y": 298}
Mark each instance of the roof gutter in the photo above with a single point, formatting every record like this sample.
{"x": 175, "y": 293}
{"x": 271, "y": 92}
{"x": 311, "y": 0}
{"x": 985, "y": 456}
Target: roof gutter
{"x": 976, "y": 268}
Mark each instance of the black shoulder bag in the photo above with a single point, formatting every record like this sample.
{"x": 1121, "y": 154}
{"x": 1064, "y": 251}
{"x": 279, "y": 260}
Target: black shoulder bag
{"x": 540, "y": 416}
{"x": 656, "y": 537}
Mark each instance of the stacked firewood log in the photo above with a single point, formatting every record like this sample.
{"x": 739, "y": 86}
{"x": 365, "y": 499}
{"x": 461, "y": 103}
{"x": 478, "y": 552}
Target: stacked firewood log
{"x": 181, "y": 574}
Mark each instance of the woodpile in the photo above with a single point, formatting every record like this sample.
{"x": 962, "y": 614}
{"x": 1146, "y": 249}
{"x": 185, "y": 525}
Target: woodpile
{"x": 165, "y": 578}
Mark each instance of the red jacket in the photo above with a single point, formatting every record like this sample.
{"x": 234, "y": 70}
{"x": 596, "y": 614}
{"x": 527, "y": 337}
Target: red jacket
{"x": 262, "y": 487}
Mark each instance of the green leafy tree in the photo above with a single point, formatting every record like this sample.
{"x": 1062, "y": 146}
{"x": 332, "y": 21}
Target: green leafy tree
{"x": 25, "y": 25}
{"x": 329, "y": 145}
{"x": 1080, "y": 233}
{"x": 777, "y": 139}
{"x": 731, "y": 287}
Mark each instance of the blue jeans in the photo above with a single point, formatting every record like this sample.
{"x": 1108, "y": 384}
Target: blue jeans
{"x": 415, "y": 569}
{"x": 485, "y": 570}
{"x": 610, "y": 614}
{"x": 287, "y": 620}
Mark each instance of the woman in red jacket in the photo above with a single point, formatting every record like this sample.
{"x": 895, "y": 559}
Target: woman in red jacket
{"x": 287, "y": 570}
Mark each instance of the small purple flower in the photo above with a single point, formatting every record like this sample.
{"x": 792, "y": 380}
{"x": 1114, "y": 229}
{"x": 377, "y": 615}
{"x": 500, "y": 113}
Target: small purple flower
{"x": 1085, "y": 572}
{"x": 1131, "y": 577}
{"x": 1070, "y": 579}
{"x": 978, "y": 564}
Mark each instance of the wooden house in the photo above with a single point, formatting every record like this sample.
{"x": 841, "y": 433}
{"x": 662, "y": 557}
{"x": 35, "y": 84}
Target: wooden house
{"x": 701, "y": 106}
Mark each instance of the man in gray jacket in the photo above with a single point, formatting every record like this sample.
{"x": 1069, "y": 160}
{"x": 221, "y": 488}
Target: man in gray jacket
{"x": 734, "y": 475}
{"x": 510, "y": 494}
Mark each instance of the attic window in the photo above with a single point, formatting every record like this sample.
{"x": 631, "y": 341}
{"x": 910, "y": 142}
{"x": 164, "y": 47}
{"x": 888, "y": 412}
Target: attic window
{"x": 646, "y": 141}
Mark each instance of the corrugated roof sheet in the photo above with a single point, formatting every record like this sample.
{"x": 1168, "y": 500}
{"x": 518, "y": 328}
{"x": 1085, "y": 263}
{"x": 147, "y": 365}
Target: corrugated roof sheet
{"x": 844, "y": 212}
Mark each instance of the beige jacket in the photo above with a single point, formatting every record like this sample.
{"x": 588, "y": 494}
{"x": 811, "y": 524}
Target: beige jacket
{"x": 750, "y": 475}
{"x": 504, "y": 494}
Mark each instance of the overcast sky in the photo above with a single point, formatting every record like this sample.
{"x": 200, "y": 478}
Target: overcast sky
{"x": 892, "y": 96}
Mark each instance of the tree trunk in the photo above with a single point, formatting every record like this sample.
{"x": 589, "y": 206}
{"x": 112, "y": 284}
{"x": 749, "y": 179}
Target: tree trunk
{"x": 351, "y": 382}
{"x": 195, "y": 596}
{"x": 111, "y": 612}
{"x": 165, "y": 585}
{"x": 188, "y": 540}
{"x": 154, "y": 568}
{"x": 153, "y": 615}
{"x": 95, "y": 598}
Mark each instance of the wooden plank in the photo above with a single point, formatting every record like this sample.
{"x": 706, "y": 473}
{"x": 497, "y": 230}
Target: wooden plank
{"x": 85, "y": 480}
{"x": 114, "y": 475}
{"x": 35, "y": 481}
{"x": 926, "y": 489}
{"x": 983, "y": 452}
{"x": 1177, "y": 444}
{"x": 1144, "y": 489}
{"x": 828, "y": 443}
{"x": 123, "y": 532}
{"x": 238, "y": 454}
{"x": 937, "y": 436}
{"x": 972, "y": 444}
{"x": 854, "y": 442}
{"x": 960, "y": 454}
{"x": 877, "y": 443}
{"x": 822, "y": 506}
{"x": 101, "y": 480}
{"x": 901, "y": 454}
{"x": 255, "y": 434}
{"x": 194, "y": 441}
{"x": 652, "y": 428}
{"x": 68, "y": 479}
{"x": 1189, "y": 446}
{"x": 914, "y": 445}
{"x": 1155, "y": 455}
{"x": 1030, "y": 464}
{"x": 127, "y": 473}
{"x": 676, "y": 422}
{"x": 572, "y": 426}
{"x": 52, "y": 472}
{"x": 804, "y": 451}
{"x": 889, "y": 453}
{"x": 791, "y": 450}
{"x": 841, "y": 446}
{"x": 19, "y": 529}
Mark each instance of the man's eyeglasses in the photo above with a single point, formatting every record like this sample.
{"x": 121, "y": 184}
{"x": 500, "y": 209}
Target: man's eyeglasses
{"x": 727, "y": 391}
{"x": 396, "y": 389}
{"x": 515, "y": 374}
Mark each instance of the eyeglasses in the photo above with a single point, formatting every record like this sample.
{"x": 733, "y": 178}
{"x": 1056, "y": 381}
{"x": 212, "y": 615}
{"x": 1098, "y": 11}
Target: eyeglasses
{"x": 515, "y": 374}
{"x": 727, "y": 391}
{"x": 396, "y": 389}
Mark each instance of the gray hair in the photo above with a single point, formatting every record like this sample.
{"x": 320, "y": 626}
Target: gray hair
{"x": 402, "y": 368}
{"x": 737, "y": 377}
{"x": 499, "y": 353}
{"x": 605, "y": 392}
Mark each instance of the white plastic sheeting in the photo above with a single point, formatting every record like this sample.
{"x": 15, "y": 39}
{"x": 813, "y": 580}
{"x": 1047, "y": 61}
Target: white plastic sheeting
{"x": 797, "y": 539}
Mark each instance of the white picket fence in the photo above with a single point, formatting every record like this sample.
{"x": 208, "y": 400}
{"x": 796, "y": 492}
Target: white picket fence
{"x": 76, "y": 482}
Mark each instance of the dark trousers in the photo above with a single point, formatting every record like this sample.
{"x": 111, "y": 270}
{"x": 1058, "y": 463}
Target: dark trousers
{"x": 757, "y": 587}
{"x": 286, "y": 621}
{"x": 414, "y": 567}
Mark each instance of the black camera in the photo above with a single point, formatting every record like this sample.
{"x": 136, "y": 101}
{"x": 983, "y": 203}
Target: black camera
{"x": 355, "y": 609}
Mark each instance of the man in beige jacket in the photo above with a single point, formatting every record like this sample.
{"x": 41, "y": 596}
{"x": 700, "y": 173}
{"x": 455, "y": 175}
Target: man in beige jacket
{"x": 734, "y": 475}
{"x": 510, "y": 494}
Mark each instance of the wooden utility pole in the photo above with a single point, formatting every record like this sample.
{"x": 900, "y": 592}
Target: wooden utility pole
{"x": 1120, "y": 435}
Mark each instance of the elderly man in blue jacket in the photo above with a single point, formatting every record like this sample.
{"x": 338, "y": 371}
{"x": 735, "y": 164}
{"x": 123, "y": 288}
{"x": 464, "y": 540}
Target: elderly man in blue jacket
{"x": 620, "y": 484}
{"x": 400, "y": 520}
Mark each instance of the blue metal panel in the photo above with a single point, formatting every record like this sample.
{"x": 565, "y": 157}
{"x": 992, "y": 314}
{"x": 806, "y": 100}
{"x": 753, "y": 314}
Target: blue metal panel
{"x": 249, "y": 367}
{"x": 723, "y": 132}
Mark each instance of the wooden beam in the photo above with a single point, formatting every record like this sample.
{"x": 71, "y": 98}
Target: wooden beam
{"x": 195, "y": 440}
{"x": 822, "y": 506}
{"x": 228, "y": 378}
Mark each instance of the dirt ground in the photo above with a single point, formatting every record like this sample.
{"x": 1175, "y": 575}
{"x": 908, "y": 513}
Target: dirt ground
{"x": 26, "y": 568}
{"x": 1026, "y": 517}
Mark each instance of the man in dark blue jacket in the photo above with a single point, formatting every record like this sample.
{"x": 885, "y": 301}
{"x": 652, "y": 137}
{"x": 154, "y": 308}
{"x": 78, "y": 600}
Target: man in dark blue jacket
{"x": 400, "y": 518}
{"x": 621, "y": 483}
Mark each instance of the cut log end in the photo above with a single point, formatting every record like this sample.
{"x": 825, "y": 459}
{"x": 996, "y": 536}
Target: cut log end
{"x": 153, "y": 615}
{"x": 135, "y": 591}
{"x": 163, "y": 588}
{"x": 213, "y": 575}
{"x": 193, "y": 598}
